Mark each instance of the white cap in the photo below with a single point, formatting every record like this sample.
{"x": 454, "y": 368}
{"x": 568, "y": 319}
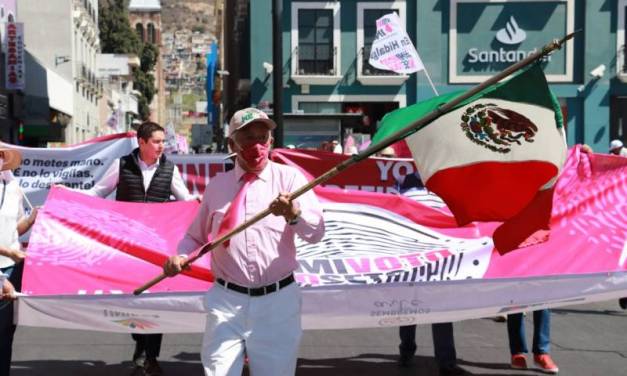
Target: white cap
{"x": 616, "y": 144}
{"x": 248, "y": 116}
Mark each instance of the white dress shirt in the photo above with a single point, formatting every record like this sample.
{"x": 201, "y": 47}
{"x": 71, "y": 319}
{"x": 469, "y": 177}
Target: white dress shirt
{"x": 109, "y": 182}
{"x": 265, "y": 252}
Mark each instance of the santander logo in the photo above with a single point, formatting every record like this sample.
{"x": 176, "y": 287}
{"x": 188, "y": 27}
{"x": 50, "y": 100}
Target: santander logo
{"x": 511, "y": 33}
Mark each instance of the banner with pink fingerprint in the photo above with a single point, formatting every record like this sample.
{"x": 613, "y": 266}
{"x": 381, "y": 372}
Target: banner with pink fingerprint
{"x": 90, "y": 246}
{"x": 385, "y": 260}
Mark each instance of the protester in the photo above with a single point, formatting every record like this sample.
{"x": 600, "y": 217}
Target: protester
{"x": 443, "y": 338}
{"x": 617, "y": 148}
{"x": 144, "y": 175}
{"x": 443, "y": 346}
{"x": 13, "y": 223}
{"x": 541, "y": 341}
{"x": 254, "y": 306}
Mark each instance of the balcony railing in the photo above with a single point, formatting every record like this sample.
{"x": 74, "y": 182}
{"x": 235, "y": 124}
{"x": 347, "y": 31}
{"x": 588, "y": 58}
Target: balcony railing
{"x": 303, "y": 70}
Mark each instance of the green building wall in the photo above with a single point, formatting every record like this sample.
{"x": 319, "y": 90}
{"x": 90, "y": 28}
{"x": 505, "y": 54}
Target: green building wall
{"x": 428, "y": 26}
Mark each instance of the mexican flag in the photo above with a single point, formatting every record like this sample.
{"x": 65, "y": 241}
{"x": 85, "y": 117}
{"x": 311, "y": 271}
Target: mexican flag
{"x": 495, "y": 157}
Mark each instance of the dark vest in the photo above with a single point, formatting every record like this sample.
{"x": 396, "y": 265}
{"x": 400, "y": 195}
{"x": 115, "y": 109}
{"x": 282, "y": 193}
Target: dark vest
{"x": 131, "y": 182}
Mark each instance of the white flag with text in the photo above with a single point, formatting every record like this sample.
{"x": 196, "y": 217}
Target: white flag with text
{"x": 392, "y": 49}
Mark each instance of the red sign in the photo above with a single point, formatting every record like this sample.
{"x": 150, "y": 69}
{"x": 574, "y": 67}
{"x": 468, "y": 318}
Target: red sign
{"x": 14, "y": 56}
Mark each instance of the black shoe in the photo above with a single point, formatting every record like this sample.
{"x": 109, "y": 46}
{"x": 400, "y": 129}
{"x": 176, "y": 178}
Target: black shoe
{"x": 622, "y": 302}
{"x": 139, "y": 357}
{"x": 406, "y": 360}
{"x": 452, "y": 371}
{"x": 152, "y": 367}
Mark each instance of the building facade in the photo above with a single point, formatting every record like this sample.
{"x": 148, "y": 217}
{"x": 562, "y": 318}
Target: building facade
{"x": 145, "y": 19}
{"x": 118, "y": 104}
{"x": 61, "y": 62}
{"x": 326, "y": 45}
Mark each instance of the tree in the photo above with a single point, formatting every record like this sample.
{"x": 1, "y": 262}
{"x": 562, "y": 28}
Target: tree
{"x": 148, "y": 58}
{"x": 144, "y": 82}
{"x": 117, "y": 36}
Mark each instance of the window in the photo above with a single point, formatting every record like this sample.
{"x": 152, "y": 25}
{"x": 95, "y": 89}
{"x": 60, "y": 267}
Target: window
{"x": 140, "y": 31}
{"x": 152, "y": 36}
{"x": 367, "y": 15}
{"x": 370, "y": 30}
{"x": 316, "y": 43}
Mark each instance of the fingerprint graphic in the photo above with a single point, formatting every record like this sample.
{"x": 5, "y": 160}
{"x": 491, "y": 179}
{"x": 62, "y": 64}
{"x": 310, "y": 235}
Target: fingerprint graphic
{"x": 597, "y": 211}
{"x": 76, "y": 235}
{"x": 364, "y": 231}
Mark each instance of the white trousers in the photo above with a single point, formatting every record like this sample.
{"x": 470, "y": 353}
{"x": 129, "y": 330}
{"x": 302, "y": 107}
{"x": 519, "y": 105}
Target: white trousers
{"x": 267, "y": 327}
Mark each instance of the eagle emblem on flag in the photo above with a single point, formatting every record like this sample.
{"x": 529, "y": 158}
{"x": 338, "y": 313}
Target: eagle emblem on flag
{"x": 497, "y": 128}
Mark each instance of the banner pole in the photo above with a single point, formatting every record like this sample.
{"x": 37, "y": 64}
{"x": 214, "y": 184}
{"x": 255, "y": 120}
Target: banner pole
{"x": 371, "y": 150}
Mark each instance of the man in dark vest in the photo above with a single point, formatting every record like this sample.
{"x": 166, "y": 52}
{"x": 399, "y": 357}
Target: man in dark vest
{"x": 145, "y": 175}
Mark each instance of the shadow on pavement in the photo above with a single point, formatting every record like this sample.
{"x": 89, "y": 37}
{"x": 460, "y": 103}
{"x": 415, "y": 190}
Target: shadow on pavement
{"x": 94, "y": 368}
{"x": 362, "y": 365}
{"x": 566, "y": 311}
{"x": 494, "y": 366}
{"x": 377, "y": 364}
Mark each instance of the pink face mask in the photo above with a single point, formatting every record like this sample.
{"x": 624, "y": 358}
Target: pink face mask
{"x": 255, "y": 155}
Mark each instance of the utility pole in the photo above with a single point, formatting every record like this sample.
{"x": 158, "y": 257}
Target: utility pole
{"x": 277, "y": 71}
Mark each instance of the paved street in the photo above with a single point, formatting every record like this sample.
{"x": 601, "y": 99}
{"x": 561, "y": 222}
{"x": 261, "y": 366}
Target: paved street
{"x": 586, "y": 340}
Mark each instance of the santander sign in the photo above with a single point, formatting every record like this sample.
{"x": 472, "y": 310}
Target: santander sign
{"x": 511, "y": 35}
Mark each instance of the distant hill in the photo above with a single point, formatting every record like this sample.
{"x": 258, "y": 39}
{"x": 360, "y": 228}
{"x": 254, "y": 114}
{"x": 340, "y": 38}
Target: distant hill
{"x": 195, "y": 15}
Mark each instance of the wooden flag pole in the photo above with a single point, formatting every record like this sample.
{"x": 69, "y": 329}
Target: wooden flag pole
{"x": 372, "y": 149}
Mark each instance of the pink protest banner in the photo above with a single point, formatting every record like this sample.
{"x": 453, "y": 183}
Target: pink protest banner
{"x": 386, "y": 260}
{"x": 86, "y": 245}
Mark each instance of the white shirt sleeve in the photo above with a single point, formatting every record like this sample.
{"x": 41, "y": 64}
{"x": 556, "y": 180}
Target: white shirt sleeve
{"x": 178, "y": 187}
{"x": 108, "y": 183}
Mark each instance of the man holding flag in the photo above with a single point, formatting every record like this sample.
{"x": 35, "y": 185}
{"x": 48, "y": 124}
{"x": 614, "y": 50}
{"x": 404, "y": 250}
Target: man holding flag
{"x": 254, "y": 306}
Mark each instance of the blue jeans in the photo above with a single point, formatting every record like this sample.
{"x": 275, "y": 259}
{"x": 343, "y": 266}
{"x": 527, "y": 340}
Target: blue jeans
{"x": 7, "y": 328}
{"x": 443, "y": 343}
{"x": 541, "y": 333}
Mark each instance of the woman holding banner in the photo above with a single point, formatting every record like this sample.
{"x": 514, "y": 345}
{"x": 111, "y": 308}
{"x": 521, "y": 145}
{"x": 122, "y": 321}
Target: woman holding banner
{"x": 13, "y": 223}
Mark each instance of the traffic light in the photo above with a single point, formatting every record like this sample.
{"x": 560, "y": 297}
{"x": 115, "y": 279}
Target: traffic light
{"x": 20, "y": 133}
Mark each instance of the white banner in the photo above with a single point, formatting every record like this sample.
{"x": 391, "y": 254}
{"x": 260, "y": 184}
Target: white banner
{"x": 77, "y": 167}
{"x": 80, "y": 166}
{"x": 332, "y": 307}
